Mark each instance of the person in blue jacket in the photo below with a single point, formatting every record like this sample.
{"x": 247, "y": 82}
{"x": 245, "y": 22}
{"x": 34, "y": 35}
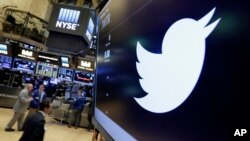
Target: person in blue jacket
{"x": 39, "y": 96}
{"x": 77, "y": 108}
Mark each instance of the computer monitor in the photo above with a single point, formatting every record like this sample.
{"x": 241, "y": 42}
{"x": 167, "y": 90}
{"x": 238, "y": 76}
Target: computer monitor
{"x": 3, "y": 49}
{"x": 24, "y": 65}
{"x": 5, "y": 61}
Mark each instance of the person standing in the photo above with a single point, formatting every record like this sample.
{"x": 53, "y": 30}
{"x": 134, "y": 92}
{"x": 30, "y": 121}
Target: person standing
{"x": 78, "y": 106}
{"x": 21, "y": 105}
{"x": 90, "y": 113}
{"x": 38, "y": 96}
{"x": 33, "y": 129}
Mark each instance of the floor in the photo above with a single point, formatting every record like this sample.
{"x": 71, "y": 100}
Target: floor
{"x": 55, "y": 131}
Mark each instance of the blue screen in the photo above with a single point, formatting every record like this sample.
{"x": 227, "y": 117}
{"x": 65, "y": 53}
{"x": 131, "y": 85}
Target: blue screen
{"x": 24, "y": 65}
{"x": 65, "y": 74}
{"x": 5, "y": 61}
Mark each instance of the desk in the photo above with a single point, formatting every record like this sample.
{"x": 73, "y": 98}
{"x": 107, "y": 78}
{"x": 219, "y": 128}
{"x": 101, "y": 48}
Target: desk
{"x": 8, "y": 96}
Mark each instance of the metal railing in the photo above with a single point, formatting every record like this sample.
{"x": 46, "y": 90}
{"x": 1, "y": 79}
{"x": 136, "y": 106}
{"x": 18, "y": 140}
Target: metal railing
{"x": 25, "y": 24}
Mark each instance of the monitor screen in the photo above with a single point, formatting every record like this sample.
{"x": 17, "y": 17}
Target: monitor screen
{"x": 54, "y": 80}
{"x": 65, "y": 74}
{"x": 3, "y": 49}
{"x": 49, "y": 59}
{"x": 84, "y": 77}
{"x": 90, "y": 29}
{"x": 46, "y": 69}
{"x": 65, "y": 62}
{"x": 5, "y": 61}
{"x": 24, "y": 65}
{"x": 173, "y": 70}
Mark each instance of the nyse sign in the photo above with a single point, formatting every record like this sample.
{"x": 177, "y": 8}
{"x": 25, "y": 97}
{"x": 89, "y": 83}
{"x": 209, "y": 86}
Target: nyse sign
{"x": 65, "y": 25}
{"x": 68, "y": 19}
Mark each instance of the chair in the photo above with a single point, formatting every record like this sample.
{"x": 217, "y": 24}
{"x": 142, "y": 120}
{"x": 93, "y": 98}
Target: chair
{"x": 61, "y": 112}
{"x": 56, "y": 103}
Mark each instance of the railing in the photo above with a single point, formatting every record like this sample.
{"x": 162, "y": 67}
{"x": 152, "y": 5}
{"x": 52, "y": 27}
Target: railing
{"x": 25, "y": 24}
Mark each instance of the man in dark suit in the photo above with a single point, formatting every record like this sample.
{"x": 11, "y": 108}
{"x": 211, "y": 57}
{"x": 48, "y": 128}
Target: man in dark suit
{"x": 38, "y": 97}
{"x": 33, "y": 129}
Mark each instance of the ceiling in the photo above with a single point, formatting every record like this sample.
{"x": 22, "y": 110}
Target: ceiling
{"x": 95, "y": 4}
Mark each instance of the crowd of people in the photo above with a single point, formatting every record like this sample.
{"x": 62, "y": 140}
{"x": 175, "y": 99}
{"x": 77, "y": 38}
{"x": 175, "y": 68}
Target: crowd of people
{"x": 35, "y": 100}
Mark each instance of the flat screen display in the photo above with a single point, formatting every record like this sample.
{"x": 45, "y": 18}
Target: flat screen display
{"x": 5, "y": 61}
{"x": 83, "y": 77}
{"x": 90, "y": 29}
{"x": 3, "y": 49}
{"x": 50, "y": 59}
{"x": 46, "y": 69}
{"x": 173, "y": 70}
{"x": 65, "y": 74}
{"x": 24, "y": 65}
{"x": 65, "y": 62}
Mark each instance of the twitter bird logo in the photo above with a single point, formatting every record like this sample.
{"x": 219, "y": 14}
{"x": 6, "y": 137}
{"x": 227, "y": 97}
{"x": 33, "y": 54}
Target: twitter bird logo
{"x": 169, "y": 78}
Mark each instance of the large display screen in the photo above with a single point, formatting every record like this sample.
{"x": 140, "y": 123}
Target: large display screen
{"x": 173, "y": 70}
{"x": 5, "y": 61}
{"x": 65, "y": 74}
{"x": 90, "y": 29}
{"x": 50, "y": 59}
{"x": 65, "y": 61}
{"x": 24, "y": 65}
{"x": 3, "y": 49}
{"x": 83, "y": 77}
{"x": 46, "y": 69}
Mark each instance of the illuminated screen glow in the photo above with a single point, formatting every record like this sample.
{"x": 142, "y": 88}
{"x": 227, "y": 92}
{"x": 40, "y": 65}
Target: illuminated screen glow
{"x": 3, "y": 49}
{"x": 65, "y": 61}
{"x": 90, "y": 29}
{"x": 172, "y": 70}
{"x": 24, "y": 65}
{"x": 84, "y": 77}
{"x": 65, "y": 74}
{"x": 5, "y": 61}
{"x": 46, "y": 69}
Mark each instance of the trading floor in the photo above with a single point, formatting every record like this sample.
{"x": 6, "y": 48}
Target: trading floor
{"x": 55, "y": 131}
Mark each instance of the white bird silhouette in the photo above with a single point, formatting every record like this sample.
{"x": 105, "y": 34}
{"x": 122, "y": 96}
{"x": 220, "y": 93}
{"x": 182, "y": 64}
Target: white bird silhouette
{"x": 169, "y": 78}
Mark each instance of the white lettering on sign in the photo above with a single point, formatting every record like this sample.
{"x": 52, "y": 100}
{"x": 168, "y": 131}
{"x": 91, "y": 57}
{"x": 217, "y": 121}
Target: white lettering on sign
{"x": 27, "y": 53}
{"x": 68, "y": 19}
{"x": 86, "y": 64}
{"x": 65, "y": 25}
